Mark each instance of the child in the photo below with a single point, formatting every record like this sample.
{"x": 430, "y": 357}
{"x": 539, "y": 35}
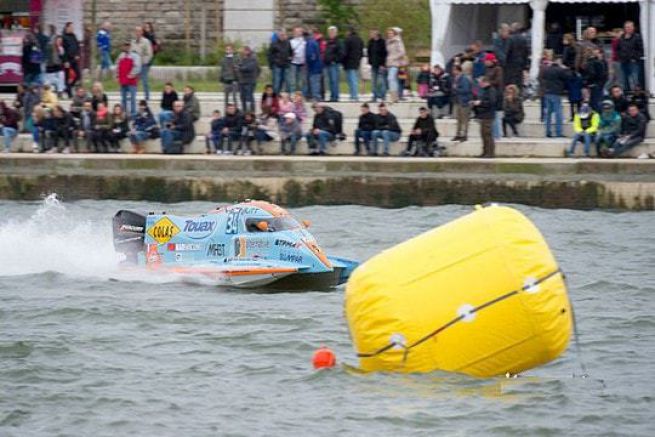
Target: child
{"x": 574, "y": 88}
{"x": 423, "y": 81}
{"x": 404, "y": 82}
{"x": 119, "y": 128}
{"x": 299, "y": 107}
{"x": 285, "y": 105}
{"x": 513, "y": 113}
{"x": 290, "y": 134}
{"x": 101, "y": 129}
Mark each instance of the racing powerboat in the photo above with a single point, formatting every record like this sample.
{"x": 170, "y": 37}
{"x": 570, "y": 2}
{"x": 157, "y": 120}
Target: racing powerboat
{"x": 246, "y": 245}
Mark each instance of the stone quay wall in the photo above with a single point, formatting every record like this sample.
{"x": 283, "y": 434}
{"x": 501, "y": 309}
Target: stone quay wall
{"x": 168, "y": 17}
{"x": 627, "y": 184}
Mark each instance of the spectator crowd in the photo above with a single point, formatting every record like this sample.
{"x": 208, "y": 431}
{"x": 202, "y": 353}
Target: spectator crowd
{"x": 608, "y": 104}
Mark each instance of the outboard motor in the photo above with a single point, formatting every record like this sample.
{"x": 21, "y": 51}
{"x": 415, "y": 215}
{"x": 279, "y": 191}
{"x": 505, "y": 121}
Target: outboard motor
{"x": 129, "y": 233}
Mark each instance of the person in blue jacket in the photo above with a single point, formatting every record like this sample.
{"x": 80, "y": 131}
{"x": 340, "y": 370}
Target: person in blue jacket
{"x": 103, "y": 40}
{"x": 314, "y": 67}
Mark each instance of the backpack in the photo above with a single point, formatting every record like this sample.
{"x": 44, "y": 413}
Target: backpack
{"x": 337, "y": 118}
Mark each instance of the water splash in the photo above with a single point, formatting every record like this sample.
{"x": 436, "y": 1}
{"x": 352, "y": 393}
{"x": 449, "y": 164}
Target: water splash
{"x": 53, "y": 239}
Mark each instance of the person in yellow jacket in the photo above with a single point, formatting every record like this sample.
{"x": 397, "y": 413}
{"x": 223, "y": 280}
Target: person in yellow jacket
{"x": 585, "y": 126}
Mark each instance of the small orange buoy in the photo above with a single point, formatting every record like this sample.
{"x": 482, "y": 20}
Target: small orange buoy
{"x": 324, "y": 358}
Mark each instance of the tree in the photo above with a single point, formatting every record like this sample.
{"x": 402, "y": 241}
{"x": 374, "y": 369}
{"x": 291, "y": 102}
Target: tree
{"x": 413, "y": 16}
{"x": 338, "y": 13}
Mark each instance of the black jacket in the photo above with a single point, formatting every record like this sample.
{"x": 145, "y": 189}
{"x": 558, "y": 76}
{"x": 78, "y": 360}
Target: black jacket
{"x": 620, "y": 104}
{"x": 233, "y": 121}
{"x": 595, "y": 72}
{"x": 248, "y": 70}
{"x": 353, "y": 51}
{"x": 333, "y": 51}
{"x": 517, "y": 52}
{"x": 635, "y": 127}
{"x": 71, "y": 47}
{"x": 486, "y": 110}
{"x": 325, "y": 121}
{"x": 426, "y": 125}
{"x": 280, "y": 53}
{"x": 387, "y": 122}
{"x": 553, "y": 79}
{"x": 183, "y": 122}
{"x": 377, "y": 52}
{"x": 367, "y": 122}
{"x": 167, "y": 100}
{"x": 630, "y": 49}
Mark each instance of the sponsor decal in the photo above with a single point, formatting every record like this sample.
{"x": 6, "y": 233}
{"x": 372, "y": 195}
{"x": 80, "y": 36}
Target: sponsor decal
{"x": 286, "y": 243}
{"x": 184, "y": 247}
{"x": 163, "y": 230}
{"x": 152, "y": 256}
{"x": 131, "y": 228}
{"x": 203, "y": 227}
{"x": 290, "y": 257}
{"x": 257, "y": 243}
{"x": 199, "y": 226}
{"x": 216, "y": 250}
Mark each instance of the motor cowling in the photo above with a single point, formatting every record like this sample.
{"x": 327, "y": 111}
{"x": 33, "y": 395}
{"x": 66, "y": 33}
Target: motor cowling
{"x": 129, "y": 232}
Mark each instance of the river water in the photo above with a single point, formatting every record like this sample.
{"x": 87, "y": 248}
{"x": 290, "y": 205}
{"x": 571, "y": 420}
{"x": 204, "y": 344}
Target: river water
{"x": 88, "y": 350}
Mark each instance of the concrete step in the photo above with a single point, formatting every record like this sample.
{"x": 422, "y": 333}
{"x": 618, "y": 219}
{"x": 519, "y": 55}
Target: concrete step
{"x": 515, "y": 147}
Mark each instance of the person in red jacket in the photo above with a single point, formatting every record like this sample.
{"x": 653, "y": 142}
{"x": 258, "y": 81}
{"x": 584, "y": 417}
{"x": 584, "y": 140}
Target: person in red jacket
{"x": 128, "y": 68}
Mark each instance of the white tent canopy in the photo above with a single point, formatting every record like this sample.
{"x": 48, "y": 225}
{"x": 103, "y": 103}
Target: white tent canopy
{"x": 455, "y": 23}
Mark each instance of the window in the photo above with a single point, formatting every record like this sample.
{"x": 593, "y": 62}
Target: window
{"x": 275, "y": 224}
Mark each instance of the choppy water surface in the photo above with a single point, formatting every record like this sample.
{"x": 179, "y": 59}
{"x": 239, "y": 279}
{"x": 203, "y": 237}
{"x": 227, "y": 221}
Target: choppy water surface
{"x": 88, "y": 350}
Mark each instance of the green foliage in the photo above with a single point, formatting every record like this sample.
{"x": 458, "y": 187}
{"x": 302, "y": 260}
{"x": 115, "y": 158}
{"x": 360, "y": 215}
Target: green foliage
{"x": 413, "y": 16}
{"x": 338, "y": 13}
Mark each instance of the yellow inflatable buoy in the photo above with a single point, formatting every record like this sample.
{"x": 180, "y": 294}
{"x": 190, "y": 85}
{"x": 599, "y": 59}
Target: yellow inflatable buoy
{"x": 481, "y": 295}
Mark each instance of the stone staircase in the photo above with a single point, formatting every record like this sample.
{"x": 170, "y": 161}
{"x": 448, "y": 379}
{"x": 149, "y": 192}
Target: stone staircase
{"x": 531, "y": 143}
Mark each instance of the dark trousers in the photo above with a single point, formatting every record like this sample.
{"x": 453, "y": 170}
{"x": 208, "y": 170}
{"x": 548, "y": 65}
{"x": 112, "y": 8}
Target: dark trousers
{"x": 421, "y": 145}
{"x": 512, "y": 123}
{"x": 486, "y": 133}
{"x": 231, "y": 89}
{"x": 247, "y": 91}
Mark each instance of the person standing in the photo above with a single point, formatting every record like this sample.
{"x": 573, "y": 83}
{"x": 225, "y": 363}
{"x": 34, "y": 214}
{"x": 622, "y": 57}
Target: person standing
{"x": 396, "y": 58}
{"x": 280, "y": 56}
{"x": 31, "y": 60}
{"x": 71, "y": 58}
{"x": 553, "y": 78}
{"x": 462, "y": 93}
{"x": 494, "y": 74}
{"x": 103, "y": 41}
{"x": 595, "y": 75}
{"x": 377, "y": 58}
{"x": 297, "y": 71}
{"x": 314, "y": 63}
{"x": 229, "y": 75}
{"x": 352, "y": 58}
{"x": 143, "y": 47}
{"x": 517, "y": 57}
{"x": 630, "y": 51}
{"x": 485, "y": 109}
{"x": 248, "y": 72}
{"x": 129, "y": 65}
{"x": 333, "y": 55}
